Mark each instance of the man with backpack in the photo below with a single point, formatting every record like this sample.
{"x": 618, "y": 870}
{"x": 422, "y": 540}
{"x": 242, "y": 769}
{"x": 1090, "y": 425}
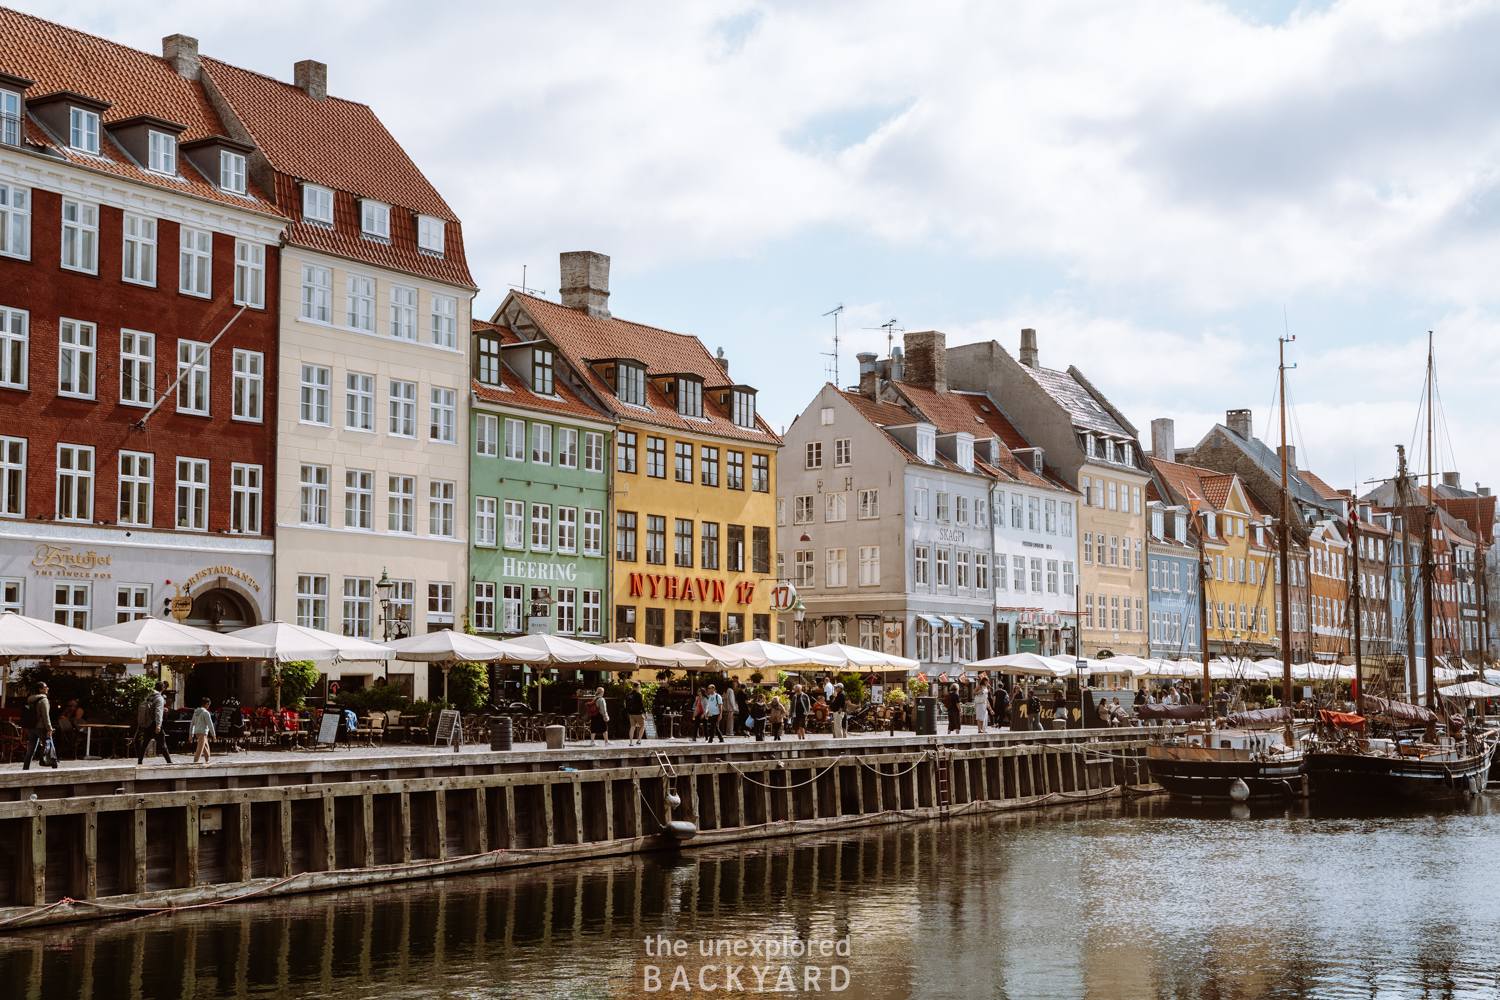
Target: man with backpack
{"x": 148, "y": 719}
{"x": 713, "y": 708}
{"x": 36, "y": 717}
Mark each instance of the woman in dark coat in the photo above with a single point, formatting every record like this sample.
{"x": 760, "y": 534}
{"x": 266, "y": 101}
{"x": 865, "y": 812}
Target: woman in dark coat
{"x": 955, "y": 710}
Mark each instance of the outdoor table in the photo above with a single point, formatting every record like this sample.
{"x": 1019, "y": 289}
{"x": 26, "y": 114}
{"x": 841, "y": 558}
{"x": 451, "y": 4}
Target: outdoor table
{"x": 88, "y": 735}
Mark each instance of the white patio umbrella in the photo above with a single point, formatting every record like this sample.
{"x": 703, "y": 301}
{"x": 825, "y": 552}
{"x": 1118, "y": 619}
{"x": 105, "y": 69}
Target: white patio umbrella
{"x": 559, "y": 649}
{"x": 290, "y": 643}
{"x": 774, "y": 654}
{"x": 859, "y": 658}
{"x": 25, "y": 638}
{"x": 661, "y": 656}
{"x": 454, "y": 647}
{"x": 716, "y": 655}
{"x": 159, "y": 637}
{"x": 1025, "y": 664}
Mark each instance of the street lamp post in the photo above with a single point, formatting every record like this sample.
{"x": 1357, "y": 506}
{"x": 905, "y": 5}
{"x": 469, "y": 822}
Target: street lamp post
{"x": 384, "y": 586}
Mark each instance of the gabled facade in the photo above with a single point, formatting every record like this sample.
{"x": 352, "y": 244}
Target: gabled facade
{"x": 539, "y": 561}
{"x": 1095, "y": 449}
{"x": 372, "y": 417}
{"x": 139, "y": 281}
{"x": 1172, "y": 579}
{"x": 694, "y": 465}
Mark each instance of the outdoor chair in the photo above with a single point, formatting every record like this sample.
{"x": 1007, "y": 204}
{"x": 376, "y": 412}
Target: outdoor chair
{"x": 374, "y": 729}
{"x": 12, "y": 741}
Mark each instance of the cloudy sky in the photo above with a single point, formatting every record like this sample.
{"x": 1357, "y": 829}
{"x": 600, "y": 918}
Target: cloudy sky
{"x": 1160, "y": 187}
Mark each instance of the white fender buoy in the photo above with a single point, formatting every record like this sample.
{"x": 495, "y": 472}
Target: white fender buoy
{"x": 1239, "y": 791}
{"x": 673, "y": 799}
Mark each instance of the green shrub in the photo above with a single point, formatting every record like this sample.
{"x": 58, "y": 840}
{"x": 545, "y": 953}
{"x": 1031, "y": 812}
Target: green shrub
{"x": 854, "y": 687}
{"x": 376, "y": 699}
{"x": 296, "y": 678}
{"x": 469, "y": 686}
{"x": 917, "y": 687}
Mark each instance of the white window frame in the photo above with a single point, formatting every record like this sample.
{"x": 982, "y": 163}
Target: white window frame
{"x": 814, "y": 455}
{"x": 593, "y": 532}
{"x": 232, "y": 172}
{"x": 360, "y": 303}
{"x": 515, "y": 440}
{"x": 842, "y": 452}
{"x": 245, "y": 498}
{"x": 919, "y": 504}
{"x": 138, "y": 250}
{"x": 375, "y": 218}
{"x": 132, "y": 602}
{"x": 567, "y": 448}
{"x": 510, "y": 607}
{"x": 76, "y": 608}
{"x": 12, "y": 477}
{"x": 315, "y": 400}
{"x": 404, "y": 301}
{"x": 75, "y": 483}
{"x": 161, "y": 153}
{"x": 317, "y": 204}
{"x": 541, "y": 527}
{"x": 567, "y": 609}
{"x": 484, "y": 606}
{"x": 10, "y": 117}
{"x": 515, "y": 524}
{"x": 431, "y": 234}
{"x": 312, "y": 601}
{"x": 249, "y": 274}
{"x": 317, "y": 294}
{"x": 442, "y": 415}
{"x": 541, "y": 444}
{"x": 441, "y": 501}
{"x": 869, "y": 565}
{"x": 567, "y": 530}
{"x": 15, "y": 221}
{"x": 920, "y": 566}
{"x": 312, "y": 497}
{"x": 77, "y": 346}
{"x": 83, "y": 130}
{"x": 590, "y": 618}
{"x": 193, "y": 374}
{"x": 484, "y": 520}
{"x": 593, "y": 451}
{"x": 359, "y": 606}
{"x": 440, "y": 603}
{"x": 401, "y": 504}
{"x": 942, "y": 576}
{"x": 195, "y": 262}
{"x": 359, "y": 402}
{"x": 192, "y": 494}
{"x": 803, "y": 509}
{"x": 403, "y": 409}
{"x": 136, "y": 488}
{"x": 444, "y": 321}
{"x": 359, "y": 499}
{"x": 804, "y": 567}
{"x": 249, "y": 386}
{"x": 486, "y": 435}
{"x": 80, "y": 236}
{"x": 835, "y": 507}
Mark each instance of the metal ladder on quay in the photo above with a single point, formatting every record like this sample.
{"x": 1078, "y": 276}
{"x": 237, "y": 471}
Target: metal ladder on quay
{"x": 945, "y": 796}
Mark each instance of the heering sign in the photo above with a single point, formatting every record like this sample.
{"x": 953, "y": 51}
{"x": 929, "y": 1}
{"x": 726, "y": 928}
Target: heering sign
{"x": 688, "y": 588}
{"x": 528, "y": 569}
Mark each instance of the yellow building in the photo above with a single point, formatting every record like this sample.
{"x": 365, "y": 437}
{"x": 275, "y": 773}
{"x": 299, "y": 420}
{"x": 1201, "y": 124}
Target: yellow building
{"x": 694, "y": 470}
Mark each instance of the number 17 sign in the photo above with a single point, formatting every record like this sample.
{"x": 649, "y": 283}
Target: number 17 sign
{"x": 783, "y": 597}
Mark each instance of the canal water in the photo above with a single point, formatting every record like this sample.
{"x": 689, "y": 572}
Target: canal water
{"x": 1142, "y": 899}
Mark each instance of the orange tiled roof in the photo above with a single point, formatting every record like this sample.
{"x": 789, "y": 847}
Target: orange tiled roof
{"x": 515, "y": 392}
{"x": 1321, "y": 488}
{"x": 132, "y": 82}
{"x": 506, "y": 336}
{"x": 583, "y": 338}
{"x": 884, "y": 415}
{"x": 1217, "y": 487}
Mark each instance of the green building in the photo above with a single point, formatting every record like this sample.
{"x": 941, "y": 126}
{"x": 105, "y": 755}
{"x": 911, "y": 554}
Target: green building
{"x": 540, "y": 487}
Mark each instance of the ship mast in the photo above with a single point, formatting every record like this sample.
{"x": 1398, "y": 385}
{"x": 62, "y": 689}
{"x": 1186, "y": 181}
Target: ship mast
{"x": 1286, "y": 543}
{"x": 1427, "y": 573}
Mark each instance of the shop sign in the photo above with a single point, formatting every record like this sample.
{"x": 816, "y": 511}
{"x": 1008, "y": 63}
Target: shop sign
{"x": 211, "y": 571}
{"x": 686, "y": 588}
{"x": 63, "y": 560}
{"x": 530, "y": 569}
{"x": 891, "y": 638}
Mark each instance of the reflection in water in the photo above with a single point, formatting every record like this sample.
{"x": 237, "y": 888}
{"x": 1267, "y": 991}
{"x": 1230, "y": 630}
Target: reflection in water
{"x": 1145, "y": 899}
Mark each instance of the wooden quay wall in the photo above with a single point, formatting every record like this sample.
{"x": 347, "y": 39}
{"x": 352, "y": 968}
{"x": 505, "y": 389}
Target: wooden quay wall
{"x": 116, "y": 840}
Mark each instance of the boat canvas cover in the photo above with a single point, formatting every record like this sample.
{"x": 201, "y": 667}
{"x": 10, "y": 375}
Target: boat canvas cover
{"x": 1185, "y": 712}
{"x": 1400, "y": 711}
{"x": 1342, "y": 720}
{"x": 1260, "y": 717}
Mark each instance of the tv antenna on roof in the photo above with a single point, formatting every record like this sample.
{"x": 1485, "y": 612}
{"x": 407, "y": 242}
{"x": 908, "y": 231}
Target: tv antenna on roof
{"x": 524, "y": 290}
{"x": 834, "y": 312}
{"x": 891, "y": 329}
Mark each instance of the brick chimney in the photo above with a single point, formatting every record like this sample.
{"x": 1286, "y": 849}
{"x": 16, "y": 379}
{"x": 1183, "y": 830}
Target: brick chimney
{"x": 723, "y": 361}
{"x": 869, "y": 374}
{"x": 1164, "y": 439}
{"x": 1241, "y": 423}
{"x": 585, "y": 283}
{"x": 1028, "y": 349}
{"x": 1291, "y": 456}
{"x": 1452, "y": 480}
{"x": 311, "y": 77}
{"x": 182, "y": 52}
{"x": 927, "y": 361}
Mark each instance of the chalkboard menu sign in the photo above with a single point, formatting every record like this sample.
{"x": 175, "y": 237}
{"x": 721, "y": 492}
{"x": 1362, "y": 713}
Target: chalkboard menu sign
{"x": 224, "y": 722}
{"x": 446, "y": 727}
{"x": 328, "y": 729}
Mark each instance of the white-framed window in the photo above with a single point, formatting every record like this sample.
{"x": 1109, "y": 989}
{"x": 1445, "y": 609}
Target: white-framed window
{"x": 515, "y": 440}
{"x": 440, "y": 603}
{"x": 869, "y": 565}
{"x": 919, "y": 504}
{"x": 593, "y": 532}
{"x": 510, "y": 607}
{"x": 1033, "y": 514}
{"x": 943, "y": 511}
{"x": 75, "y": 482}
{"x": 541, "y": 444}
{"x": 981, "y": 512}
{"x": 361, "y": 303}
{"x": 12, "y": 594}
{"x": 442, "y": 416}
{"x": 10, "y": 117}
{"x": 444, "y": 320}
{"x": 1036, "y": 576}
{"x": 486, "y": 435}
{"x": 515, "y": 524}
{"x": 1017, "y": 511}
{"x": 132, "y": 602}
{"x": 589, "y": 616}
{"x": 403, "y": 312}
{"x": 249, "y": 383}
{"x": 430, "y": 233}
{"x": 802, "y": 564}
{"x": 593, "y": 452}
{"x": 161, "y": 153}
{"x": 440, "y": 502}
{"x": 484, "y": 520}
{"x": 802, "y": 509}
{"x": 375, "y": 219}
{"x": 842, "y": 452}
{"x": 961, "y": 509}
{"x": 943, "y": 577}
{"x": 312, "y": 505}
{"x": 920, "y": 562}
{"x": 316, "y": 390}
{"x": 317, "y": 204}
{"x": 981, "y": 571}
{"x": 403, "y": 399}
{"x": 924, "y": 640}
{"x": 12, "y": 477}
{"x": 71, "y": 603}
{"x": 567, "y": 448}
{"x": 742, "y": 408}
{"x": 138, "y": 257}
{"x": 359, "y": 401}
{"x": 195, "y": 262}
{"x": 192, "y": 494}
{"x": 80, "y": 236}
{"x": 83, "y": 130}
{"x": 1018, "y": 569}
{"x": 244, "y": 499}
{"x": 249, "y": 274}
{"x": 135, "y": 488}
{"x": 567, "y": 529}
{"x": 1049, "y": 515}
{"x": 312, "y": 601}
{"x": 961, "y": 569}
{"x": 357, "y": 606}
{"x": 317, "y": 293}
{"x": 814, "y": 454}
{"x": 781, "y": 512}
{"x": 835, "y": 507}
{"x": 231, "y": 172}
{"x": 567, "y": 605}
{"x": 401, "y": 504}
{"x": 359, "y": 499}
{"x": 484, "y": 607}
{"x": 15, "y": 220}
{"x": 75, "y": 361}
{"x": 541, "y": 527}
{"x": 13, "y": 353}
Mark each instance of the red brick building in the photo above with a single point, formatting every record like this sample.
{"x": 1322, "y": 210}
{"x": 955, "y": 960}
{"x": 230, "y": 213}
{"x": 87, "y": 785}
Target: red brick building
{"x": 138, "y": 289}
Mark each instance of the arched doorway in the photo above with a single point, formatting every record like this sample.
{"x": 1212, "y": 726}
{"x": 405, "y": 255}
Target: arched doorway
{"x": 222, "y": 609}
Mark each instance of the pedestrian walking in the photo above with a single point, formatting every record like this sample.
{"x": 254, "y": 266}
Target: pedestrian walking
{"x": 598, "y": 713}
{"x": 203, "y": 730}
{"x": 635, "y": 708}
{"x": 1034, "y": 712}
{"x": 148, "y": 717}
{"x": 36, "y": 718}
{"x": 982, "y": 705}
{"x": 955, "y": 710}
{"x": 731, "y": 707}
{"x": 840, "y": 708}
{"x": 1002, "y": 708}
{"x": 777, "y": 717}
{"x": 697, "y": 729}
{"x": 713, "y": 709}
{"x": 758, "y": 712}
{"x": 801, "y": 707}
{"x": 827, "y": 689}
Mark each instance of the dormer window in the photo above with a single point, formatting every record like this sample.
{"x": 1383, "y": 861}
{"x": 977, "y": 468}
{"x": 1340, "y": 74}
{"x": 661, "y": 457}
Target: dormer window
{"x": 965, "y": 452}
{"x": 1089, "y": 442}
{"x": 375, "y": 219}
{"x": 541, "y": 371}
{"x": 231, "y": 172}
{"x": 430, "y": 233}
{"x": 630, "y": 384}
{"x": 742, "y": 410}
{"x": 163, "y": 152}
{"x": 927, "y": 444}
{"x": 1210, "y": 523}
{"x": 10, "y": 117}
{"x": 1181, "y": 528}
{"x": 487, "y": 359}
{"x": 1158, "y": 523}
{"x": 317, "y": 204}
{"x": 1125, "y": 457}
{"x": 83, "y": 130}
{"x": 689, "y": 397}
